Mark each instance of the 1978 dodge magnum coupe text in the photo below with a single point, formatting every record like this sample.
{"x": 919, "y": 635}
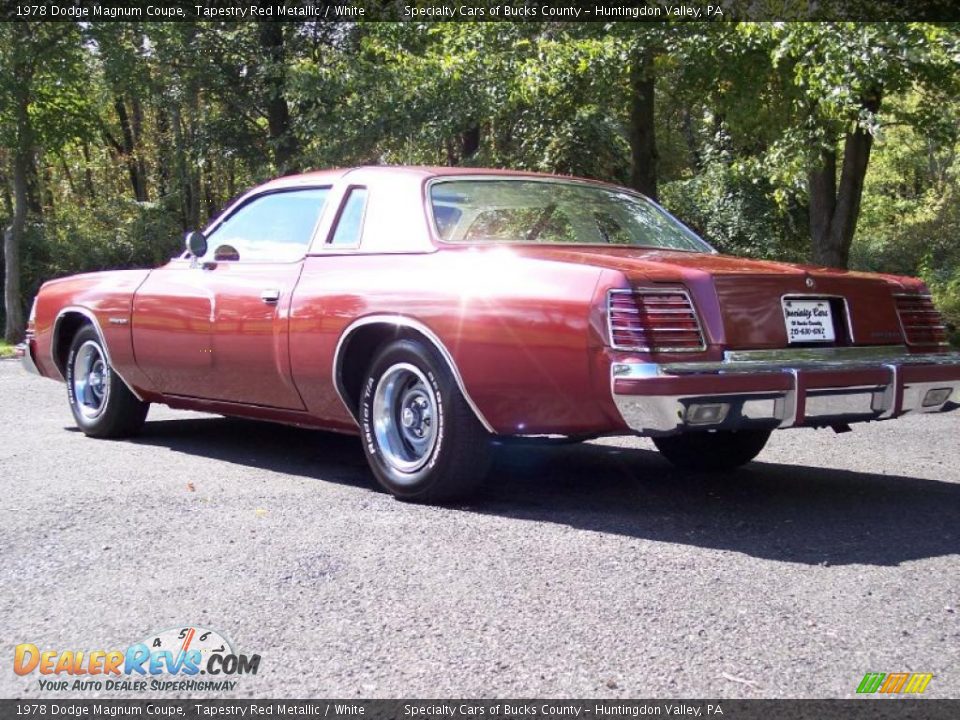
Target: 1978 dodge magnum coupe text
{"x": 437, "y": 309}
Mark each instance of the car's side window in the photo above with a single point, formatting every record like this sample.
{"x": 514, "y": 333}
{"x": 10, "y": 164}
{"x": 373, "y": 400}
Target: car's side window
{"x": 276, "y": 227}
{"x": 350, "y": 223}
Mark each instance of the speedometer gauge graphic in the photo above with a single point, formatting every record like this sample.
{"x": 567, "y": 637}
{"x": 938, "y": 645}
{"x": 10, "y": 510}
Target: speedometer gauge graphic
{"x": 184, "y": 639}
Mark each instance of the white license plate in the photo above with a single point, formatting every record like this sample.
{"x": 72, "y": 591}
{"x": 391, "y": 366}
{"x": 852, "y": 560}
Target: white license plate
{"x": 808, "y": 320}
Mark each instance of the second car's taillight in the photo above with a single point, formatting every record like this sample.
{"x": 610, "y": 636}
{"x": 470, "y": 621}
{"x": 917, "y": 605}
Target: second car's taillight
{"x": 654, "y": 321}
{"x": 922, "y": 323}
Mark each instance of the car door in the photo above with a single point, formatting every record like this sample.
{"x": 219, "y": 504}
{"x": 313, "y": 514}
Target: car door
{"x": 216, "y": 327}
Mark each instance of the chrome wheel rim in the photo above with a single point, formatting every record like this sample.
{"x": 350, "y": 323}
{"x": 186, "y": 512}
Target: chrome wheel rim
{"x": 405, "y": 417}
{"x": 91, "y": 380}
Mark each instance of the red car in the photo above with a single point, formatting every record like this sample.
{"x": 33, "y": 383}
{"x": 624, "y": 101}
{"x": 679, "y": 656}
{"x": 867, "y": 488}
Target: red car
{"x": 434, "y": 310}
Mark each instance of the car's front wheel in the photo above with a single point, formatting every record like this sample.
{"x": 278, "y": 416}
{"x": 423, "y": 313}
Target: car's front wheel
{"x": 712, "y": 451}
{"x": 421, "y": 438}
{"x": 102, "y": 404}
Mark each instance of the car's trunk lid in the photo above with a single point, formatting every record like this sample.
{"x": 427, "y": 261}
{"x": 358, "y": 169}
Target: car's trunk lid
{"x": 750, "y": 293}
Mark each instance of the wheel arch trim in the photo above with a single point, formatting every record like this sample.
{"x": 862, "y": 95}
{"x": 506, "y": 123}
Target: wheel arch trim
{"x": 402, "y": 321}
{"x": 92, "y": 318}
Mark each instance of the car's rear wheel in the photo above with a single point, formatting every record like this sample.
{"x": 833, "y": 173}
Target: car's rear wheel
{"x": 102, "y": 404}
{"x": 421, "y": 438}
{"x": 712, "y": 451}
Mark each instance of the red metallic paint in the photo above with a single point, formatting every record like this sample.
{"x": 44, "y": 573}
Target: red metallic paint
{"x": 207, "y": 333}
{"x": 524, "y": 324}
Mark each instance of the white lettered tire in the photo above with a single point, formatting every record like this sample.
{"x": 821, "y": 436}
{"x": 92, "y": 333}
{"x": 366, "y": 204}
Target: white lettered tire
{"x": 421, "y": 438}
{"x": 101, "y": 403}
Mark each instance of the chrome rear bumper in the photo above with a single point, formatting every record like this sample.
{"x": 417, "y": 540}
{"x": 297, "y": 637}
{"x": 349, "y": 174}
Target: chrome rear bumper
{"x": 784, "y": 388}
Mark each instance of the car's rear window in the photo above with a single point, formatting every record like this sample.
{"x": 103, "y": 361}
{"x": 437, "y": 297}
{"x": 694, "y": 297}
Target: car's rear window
{"x": 536, "y": 211}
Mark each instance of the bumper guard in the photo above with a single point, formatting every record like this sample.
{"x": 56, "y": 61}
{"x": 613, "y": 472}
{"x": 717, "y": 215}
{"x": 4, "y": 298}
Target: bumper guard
{"x": 22, "y": 351}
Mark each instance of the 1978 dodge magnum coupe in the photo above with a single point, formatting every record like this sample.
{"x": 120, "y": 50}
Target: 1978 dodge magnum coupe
{"x": 433, "y": 310}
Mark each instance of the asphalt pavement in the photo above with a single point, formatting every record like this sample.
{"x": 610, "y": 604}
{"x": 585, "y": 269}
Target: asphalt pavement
{"x": 591, "y": 570}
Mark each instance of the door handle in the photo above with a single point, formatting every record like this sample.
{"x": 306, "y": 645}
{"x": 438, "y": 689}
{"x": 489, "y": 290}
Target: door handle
{"x": 270, "y": 296}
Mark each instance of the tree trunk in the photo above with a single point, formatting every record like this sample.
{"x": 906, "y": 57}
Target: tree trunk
{"x": 690, "y": 138}
{"x": 834, "y": 209}
{"x": 68, "y": 176}
{"x": 282, "y": 139}
{"x": 34, "y": 191}
{"x": 189, "y": 195}
{"x": 642, "y": 134}
{"x": 5, "y": 189}
{"x": 163, "y": 155}
{"x": 129, "y": 147}
{"x": 140, "y": 162}
{"x": 822, "y": 184}
{"x": 13, "y": 236}
{"x": 470, "y": 142}
{"x": 91, "y": 189}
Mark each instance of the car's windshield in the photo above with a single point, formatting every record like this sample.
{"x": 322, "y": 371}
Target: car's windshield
{"x": 536, "y": 211}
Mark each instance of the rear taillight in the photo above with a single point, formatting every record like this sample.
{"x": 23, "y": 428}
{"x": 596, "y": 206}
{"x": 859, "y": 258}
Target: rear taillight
{"x": 654, "y": 321}
{"x": 922, "y": 323}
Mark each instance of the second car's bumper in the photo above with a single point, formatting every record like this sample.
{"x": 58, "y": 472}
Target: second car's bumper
{"x": 784, "y": 388}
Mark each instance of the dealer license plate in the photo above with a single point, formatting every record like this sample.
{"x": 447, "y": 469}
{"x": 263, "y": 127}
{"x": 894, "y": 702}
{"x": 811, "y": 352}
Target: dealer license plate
{"x": 808, "y": 321}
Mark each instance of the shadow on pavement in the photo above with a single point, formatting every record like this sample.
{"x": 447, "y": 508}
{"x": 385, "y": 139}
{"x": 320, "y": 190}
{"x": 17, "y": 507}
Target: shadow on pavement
{"x": 781, "y": 512}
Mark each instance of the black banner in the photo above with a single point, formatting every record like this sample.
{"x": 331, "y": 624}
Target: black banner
{"x": 477, "y": 10}
{"x": 860, "y": 709}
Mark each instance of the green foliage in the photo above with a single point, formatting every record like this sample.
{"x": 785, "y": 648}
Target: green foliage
{"x": 910, "y": 218}
{"x": 117, "y": 234}
{"x": 741, "y": 109}
{"x": 734, "y": 209}
{"x": 42, "y": 65}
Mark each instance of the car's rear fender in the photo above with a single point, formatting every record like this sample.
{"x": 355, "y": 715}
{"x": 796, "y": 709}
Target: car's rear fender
{"x": 517, "y": 332}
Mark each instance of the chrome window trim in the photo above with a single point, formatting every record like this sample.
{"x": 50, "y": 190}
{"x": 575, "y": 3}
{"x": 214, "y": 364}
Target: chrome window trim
{"x": 86, "y": 312}
{"x": 404, "y": 321}
{"x": 816, "y": 296}
{"x": 654, "y": 291}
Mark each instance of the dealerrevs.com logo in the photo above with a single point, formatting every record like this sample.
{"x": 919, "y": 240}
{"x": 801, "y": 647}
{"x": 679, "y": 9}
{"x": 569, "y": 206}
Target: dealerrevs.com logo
{"x": 184, "y": 659}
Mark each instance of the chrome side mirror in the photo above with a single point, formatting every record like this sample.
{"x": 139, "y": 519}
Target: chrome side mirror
{"x": 195, "y": 243}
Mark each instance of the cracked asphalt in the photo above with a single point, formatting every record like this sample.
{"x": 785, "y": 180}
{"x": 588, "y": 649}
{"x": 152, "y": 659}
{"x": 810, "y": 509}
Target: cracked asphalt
{"x": 594, "y": 570}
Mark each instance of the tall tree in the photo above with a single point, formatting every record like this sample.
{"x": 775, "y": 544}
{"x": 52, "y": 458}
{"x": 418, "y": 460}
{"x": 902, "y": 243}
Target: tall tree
{"x": 642, "y": 129}
{"x": 839, "y": 75}
{"x": 126, "y": 77}
{"x": 41, "y": 103}
{"x": 283, "y": 141}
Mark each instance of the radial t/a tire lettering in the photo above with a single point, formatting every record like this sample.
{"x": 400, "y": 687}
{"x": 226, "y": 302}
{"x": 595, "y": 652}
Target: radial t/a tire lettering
{"x": 101, "y": 403}
{"x": 421, "y": 438}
